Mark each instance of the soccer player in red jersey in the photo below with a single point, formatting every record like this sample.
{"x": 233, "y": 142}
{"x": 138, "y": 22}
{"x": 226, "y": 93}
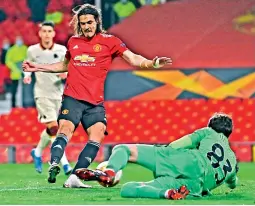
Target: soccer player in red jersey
{"x": 89, "y": 55}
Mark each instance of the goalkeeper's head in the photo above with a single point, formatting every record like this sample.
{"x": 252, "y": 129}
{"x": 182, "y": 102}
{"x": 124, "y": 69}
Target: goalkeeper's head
{"x": 221, "y": 123}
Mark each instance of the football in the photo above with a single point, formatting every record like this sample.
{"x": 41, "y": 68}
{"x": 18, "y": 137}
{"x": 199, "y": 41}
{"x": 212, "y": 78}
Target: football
{"x": 102, "y": 166}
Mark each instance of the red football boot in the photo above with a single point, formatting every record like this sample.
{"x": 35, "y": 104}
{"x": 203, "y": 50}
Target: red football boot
{"x": 175, "y": 194}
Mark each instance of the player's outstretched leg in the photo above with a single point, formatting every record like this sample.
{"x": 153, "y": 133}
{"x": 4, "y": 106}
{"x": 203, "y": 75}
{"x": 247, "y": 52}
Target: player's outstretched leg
{"x": 147, "y": 190}
{"x": 141, "y": 190}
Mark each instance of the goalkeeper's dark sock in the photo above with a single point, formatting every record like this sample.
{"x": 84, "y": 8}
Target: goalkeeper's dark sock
{"x": 119, "y": 158}
{"x": 58, "y": 148}
{"x": 87, "y": 155}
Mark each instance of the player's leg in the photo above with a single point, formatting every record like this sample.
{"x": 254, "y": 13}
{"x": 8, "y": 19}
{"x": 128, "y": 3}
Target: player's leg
{"x": 119, "y": 158}
{"x": 143, "y": 155}
{"x": 37, "y": 152}
{"x": 162, "y": 187}
{"x": 69, "y": 118}
{"x": 43, "y": 142}
{"x": 53, "y": 132}
{"x": 94, "y": 122}
{"x": 47, "y": 116}
{"x": 64, "y": 161}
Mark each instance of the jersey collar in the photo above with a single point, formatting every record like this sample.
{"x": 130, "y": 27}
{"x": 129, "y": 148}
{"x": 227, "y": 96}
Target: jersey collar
{"x": 92, "y": 39}
{"x": 43, "y": 48}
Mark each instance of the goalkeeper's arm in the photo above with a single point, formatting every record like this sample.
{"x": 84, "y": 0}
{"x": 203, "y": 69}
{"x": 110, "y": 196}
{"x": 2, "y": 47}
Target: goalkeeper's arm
{"x": 232, "y": 182}
{"x": 184, "y": 142}
{"x": 190, "y": 141}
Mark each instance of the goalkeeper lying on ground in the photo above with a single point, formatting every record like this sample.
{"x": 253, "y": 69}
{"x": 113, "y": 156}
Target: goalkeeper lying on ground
{"x": 192, "y": 165}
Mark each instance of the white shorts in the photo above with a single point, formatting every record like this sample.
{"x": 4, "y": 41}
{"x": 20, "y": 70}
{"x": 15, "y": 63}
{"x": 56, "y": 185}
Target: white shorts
{"x": 48, "y": 109}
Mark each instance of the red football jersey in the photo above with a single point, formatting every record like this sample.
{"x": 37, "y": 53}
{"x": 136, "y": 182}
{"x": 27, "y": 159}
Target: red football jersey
{"x": 89, "y": 62}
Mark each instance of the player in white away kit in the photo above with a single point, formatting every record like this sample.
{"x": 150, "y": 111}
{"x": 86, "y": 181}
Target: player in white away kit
{"x": 48, "y": 91}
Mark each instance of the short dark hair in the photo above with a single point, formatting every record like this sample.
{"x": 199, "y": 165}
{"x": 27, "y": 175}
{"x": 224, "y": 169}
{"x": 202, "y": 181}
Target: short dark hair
{"x": 221, "y": 123}
{"x": 47, "y": 23}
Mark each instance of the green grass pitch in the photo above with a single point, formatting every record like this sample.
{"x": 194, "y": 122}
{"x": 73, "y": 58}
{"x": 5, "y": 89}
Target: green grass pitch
{"x": 20, "y": 184}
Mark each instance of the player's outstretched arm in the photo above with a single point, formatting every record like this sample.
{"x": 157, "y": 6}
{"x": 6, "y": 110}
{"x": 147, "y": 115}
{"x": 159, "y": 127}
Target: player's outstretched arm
{"x": 140, "y": 61}
{"x": 50, "y": 68}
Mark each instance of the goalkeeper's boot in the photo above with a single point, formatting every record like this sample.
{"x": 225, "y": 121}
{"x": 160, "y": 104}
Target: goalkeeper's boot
{"x": 74, "y": 182}
{"x": 54, "y": 170}
{"x": 37, "y": 161}
{"x": 177, "y": 194}
{"x": 106, "y": 177}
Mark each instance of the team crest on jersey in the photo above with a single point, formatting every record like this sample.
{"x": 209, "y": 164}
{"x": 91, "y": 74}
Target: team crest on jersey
{"x": 65, "y": 111}
{"x": 97, "y": 47}
{"x": 84, "y": 58}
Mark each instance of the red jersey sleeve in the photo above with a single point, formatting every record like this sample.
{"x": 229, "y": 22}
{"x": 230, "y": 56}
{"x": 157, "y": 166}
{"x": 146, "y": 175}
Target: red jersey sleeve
{"x": 117, "y": 47}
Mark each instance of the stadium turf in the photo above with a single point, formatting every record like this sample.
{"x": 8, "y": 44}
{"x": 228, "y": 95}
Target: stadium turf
{"x": 20, "y": 184}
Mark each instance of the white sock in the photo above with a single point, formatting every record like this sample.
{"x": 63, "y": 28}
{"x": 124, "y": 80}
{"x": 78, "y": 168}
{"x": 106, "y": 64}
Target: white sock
{"x": 44, "y": 141}
{"x": 166, "y": 194}
{"x": 63, "y": 160}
